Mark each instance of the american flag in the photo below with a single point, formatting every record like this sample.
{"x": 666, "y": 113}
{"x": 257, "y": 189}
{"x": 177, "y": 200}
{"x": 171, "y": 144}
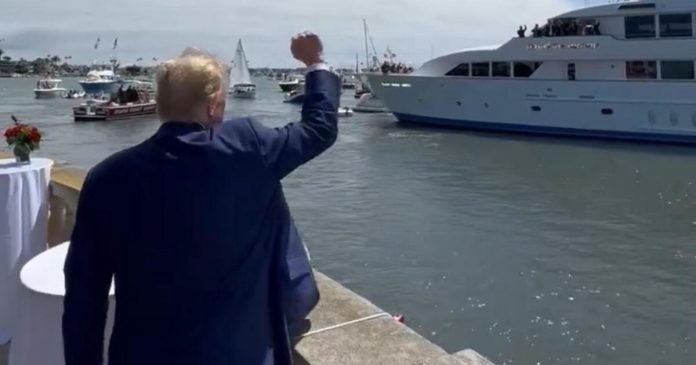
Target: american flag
{"x": 115, "y": 43}
{"x": 96, "y": 44}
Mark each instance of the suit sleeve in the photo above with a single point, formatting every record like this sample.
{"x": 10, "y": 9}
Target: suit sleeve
{"x": 285, "y": 149}
{"x": 88, "y": 272}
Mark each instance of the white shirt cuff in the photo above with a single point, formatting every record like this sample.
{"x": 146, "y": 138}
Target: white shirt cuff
{"x": 318, "y": 66}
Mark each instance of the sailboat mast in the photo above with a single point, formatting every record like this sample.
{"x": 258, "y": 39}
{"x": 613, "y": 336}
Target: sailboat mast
{"x": 367, "y": 53}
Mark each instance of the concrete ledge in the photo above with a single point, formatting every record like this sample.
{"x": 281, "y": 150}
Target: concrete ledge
{"x": 66, "y": 182}
{"x": 378, "y": 341}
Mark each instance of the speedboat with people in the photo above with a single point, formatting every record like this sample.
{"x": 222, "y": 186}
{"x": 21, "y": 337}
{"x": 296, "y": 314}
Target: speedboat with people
{"x": 139, "y": 84}
{"x": 101, "y": 79}
{"x": 624, "y": 70}
{"x": 241, "y": 85}
{"x": 131, "y": 102}
{"x": 48, "y": 88}
{"x": 75, "y": 94}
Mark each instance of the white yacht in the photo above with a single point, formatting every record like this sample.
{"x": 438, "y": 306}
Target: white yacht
{"x": 240, "y": 78}
{"x": 624, "y": 70}
{"x": 101, "y": 79}
{"x": 48, "y": 88}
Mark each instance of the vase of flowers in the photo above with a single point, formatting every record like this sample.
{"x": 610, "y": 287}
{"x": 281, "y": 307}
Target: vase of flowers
{"x": 22, "y": 139}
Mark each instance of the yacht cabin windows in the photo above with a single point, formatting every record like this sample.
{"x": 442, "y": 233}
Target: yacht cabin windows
{"x": 461, "y": 70}
{"x": 640, "y": 26}
{"x": 677, "y": 70}
{"x": 676, "y": 25}
{"x": 495, "y": 69}
{"x": 480, "y": 69}
{"x": 641, "y": 70}
{"x": 525, "y": 69}
{"x": 501, "y": 69}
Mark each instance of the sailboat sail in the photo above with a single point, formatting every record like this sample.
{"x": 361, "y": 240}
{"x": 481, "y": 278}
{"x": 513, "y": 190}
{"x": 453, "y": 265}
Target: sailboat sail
{"x": 239, "y": 74}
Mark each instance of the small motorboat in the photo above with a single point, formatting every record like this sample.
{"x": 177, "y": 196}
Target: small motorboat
{"x": 349, "y": 82}
{"x": 345, "y": 112}
{"x": 290, "y": 84}
{"x": 369, "y": 103}
{"x": 295, "y": 97}
{"x": 75, "y": 94}
{"x": 48, "y": 88}
{"x": 243, "y": 91}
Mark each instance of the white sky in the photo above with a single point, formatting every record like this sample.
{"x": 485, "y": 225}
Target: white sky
{"x": 162, "y": 28}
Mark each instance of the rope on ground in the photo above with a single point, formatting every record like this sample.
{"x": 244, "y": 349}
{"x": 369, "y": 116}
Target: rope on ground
{"x": 344, "y": 324}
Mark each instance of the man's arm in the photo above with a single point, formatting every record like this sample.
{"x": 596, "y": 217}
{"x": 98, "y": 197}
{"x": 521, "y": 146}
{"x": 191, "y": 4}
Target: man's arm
{"x": 88, "y": 272}
{"x": 285, "y": 149}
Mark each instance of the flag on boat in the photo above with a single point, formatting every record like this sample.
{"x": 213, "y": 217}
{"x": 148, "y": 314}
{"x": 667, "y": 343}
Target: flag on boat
{"x": 154, "y": 59}
{"x": 96, "y": 44}
{"x": 115, "y": 43}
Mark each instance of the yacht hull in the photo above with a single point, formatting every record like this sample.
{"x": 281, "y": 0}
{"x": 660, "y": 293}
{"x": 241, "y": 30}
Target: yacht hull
{"x": 99, "y": 87}
{"x": 650, "y": 111}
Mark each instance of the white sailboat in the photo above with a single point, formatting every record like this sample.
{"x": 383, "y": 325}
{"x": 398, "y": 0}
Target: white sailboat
{"x": 241, "y": 85}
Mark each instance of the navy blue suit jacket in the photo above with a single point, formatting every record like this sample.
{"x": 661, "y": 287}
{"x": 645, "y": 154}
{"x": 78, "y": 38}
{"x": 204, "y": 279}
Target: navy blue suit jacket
{"x": 194, "y": 228}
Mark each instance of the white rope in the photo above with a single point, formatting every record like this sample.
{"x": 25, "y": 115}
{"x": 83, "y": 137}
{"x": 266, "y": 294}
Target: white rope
{"x": 374, "y": 316}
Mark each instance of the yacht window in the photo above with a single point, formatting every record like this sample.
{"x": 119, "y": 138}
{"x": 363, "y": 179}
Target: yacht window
{"x": 636, "y": 6}
{"x": 460, "y": 70}
{"x": 525, "y": 69}
{"x": 481, "y": 69}
{"x": 501, "y": 69}
{"x": 677, "y": 70}
{"x": 676, "y": 25}
{"x": 642, "y": 26}
{"x": 571, "y": 71}
{"x": 641, "y": 70}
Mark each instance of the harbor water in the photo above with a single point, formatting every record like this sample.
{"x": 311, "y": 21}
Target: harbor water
{"x": 529, "y": 250}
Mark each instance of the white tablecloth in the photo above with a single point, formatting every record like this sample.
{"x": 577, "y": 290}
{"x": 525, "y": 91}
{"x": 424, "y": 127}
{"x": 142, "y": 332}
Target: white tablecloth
{"x": 23, "y": 228}
{"x": 38, "y": 339}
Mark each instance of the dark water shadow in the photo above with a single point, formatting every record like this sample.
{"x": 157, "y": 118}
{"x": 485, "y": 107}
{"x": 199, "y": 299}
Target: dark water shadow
{"x": 299, "y": 359}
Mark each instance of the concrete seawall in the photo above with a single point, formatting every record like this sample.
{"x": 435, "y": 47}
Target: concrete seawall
{"x": 345, "y": 327}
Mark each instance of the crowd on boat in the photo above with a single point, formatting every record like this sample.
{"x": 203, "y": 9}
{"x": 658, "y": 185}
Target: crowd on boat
{"x": 395, "y": 68}
{"x": 130, "y": 95}
{"x": 562, "y": 28}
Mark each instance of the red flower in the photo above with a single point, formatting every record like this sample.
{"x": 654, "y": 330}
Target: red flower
{"x": 23, "y": 134}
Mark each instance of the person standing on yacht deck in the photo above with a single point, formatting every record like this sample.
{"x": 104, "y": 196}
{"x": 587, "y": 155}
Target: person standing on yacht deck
{"x": 194, "y": 228}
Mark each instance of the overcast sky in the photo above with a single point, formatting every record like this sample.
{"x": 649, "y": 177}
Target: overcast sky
{"x": 413, "y": 29}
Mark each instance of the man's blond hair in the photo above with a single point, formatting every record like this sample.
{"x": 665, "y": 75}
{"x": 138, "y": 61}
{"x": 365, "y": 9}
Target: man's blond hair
{"x": 186, "y": 83}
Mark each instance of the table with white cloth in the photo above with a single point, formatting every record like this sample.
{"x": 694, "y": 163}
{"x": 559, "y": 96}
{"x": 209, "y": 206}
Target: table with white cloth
{"x": 39, "y": 339}
{"x": 23, "y": 228}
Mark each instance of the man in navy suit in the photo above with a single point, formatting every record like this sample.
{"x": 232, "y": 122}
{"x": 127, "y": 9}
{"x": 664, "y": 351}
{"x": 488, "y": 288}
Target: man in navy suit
{"x": 193, "y": 227}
